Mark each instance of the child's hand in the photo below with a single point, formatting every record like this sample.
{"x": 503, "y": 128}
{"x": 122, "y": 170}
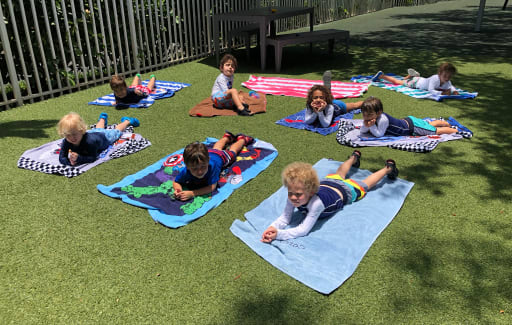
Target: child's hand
{"x": 446, "y": 92}
{"x": 269, "y": 235}
{"x": 369, "y": 123}
{"x": 455, "y": 92}
{"x": 184, "y": 195}
{"x": 138, "y": 92}
{"x": 319, "y": 105}
{"x": 73, "y": 157}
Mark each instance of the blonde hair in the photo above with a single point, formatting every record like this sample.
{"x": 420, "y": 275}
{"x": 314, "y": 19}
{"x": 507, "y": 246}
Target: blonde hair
{"x": 300, "y": 172}
{"x": 70, "y": 123}
{"x": 117, "y": 83}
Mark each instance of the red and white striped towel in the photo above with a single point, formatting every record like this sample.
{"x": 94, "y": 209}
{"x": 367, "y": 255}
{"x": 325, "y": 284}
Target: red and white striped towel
{"x": 300, "y": 87}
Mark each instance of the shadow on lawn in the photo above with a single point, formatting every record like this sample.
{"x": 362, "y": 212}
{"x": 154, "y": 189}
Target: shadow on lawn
{"x": 31, "y": 129}
{"x": 472, "y": 267}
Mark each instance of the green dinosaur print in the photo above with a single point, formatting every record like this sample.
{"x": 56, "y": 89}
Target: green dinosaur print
{"x": 197, "y": 203}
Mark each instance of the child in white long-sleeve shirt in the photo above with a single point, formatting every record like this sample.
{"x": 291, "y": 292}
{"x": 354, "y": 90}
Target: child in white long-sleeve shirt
{"x": 319, "y": 199}
{"x": 437, "y": 84}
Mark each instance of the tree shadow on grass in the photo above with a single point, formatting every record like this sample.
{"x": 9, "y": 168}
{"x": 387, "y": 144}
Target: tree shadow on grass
{"x": 473, "y": 269}
{"x": 30, "y": 129}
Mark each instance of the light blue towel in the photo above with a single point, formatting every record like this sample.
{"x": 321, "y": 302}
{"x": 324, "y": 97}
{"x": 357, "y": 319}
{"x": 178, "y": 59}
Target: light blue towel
{"x": 330, "y": 253}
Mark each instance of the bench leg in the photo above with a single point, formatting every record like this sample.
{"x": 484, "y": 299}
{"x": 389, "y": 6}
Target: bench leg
{"x": 248, "y": 46}
{"x": 331, "y": 46}
{"x": 278, "y": 53}
{"x": 347, "y": 44}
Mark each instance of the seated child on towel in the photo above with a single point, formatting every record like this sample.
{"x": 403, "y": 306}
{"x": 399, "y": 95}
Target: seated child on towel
{"x": 378, "y": 123}
{"x": 319, "y": 199}
{"x": 81, "y": 146}
{"x": 205, "y": 165}
{"x": 322, "y": 108}
{"x": 133, "y": 94}
{"x": 437, "y": 84}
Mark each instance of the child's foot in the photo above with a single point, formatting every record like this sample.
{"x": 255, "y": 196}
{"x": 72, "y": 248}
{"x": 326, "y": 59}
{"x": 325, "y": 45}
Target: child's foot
{"x": 133, "y": 121}
{"x": 231, "y": 137}
{"x": 245, "y": 111}
{"x": 138, "y": 75}
{"x": 152, "y": 76}
{"x": 376, "y": 77}
{"x": 357, "y": 158}
{"x": 413, "y": 73}
{"x": 248, "y": 140}
{"x": 327, "y": 77}
{"x": 394, "y": 171}
{"x": 104, "y": 116}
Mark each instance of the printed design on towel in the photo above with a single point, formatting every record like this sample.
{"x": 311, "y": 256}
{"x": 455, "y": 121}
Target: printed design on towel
{"x": 300, "y": 87}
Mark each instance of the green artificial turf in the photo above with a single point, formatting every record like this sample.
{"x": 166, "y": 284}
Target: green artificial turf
{"x": 72, "y": 255}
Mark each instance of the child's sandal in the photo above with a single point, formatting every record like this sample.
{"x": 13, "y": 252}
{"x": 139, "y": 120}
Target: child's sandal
{"x": 231, "y": 137}
{"x": 357, "y": 155}
{"x": 394, "y": 171}
{"x": 104, "y": 116}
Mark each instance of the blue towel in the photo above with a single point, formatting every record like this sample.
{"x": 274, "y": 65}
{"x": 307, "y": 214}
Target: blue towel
{"x": 164, "y": 89}
{"x": 296, "y": 121}
{"x": 331, "y": 252}
{"x": 412, "y": 92}
{"x": 151, "y": 188}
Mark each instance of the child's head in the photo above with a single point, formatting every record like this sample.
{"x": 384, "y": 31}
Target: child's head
{"x": 196, "y": 159}
{"x": 372, "y": 108}
{"x": 319, "y": 92}
{"x": 446, "y": 72}
{"x": 302, "y": 182}
{"x": 72, "y": 127}
{"x": 228, "y": 65}
{"x": 118, "y": 85}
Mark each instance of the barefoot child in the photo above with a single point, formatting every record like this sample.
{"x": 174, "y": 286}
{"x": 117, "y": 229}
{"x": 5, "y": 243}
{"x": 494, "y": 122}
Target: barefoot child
{"x": 437, "y": 84}
{"x": 205, "y": 165}
{"x": 378, "y": 123}
{"x": 319, "y": 199}
{"x": 81, "y": 146}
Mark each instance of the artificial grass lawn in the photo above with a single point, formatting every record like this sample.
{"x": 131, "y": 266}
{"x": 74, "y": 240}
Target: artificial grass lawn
{"x": 73, "y": 255}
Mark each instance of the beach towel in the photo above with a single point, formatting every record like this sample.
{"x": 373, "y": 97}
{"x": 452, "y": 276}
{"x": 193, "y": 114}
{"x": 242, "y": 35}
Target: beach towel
{"x": 151, "y": 188}
{"x": 349, "y": 134}
{"x": 296, "y": 121}
{"x": 257, "y": 104}
{"x": 45, "y": 158}
{"x": 164, "y": 89}
{"x": 300, "y": 87}
{"x": 331, "y": 252}
{"x": 416, "y": 93}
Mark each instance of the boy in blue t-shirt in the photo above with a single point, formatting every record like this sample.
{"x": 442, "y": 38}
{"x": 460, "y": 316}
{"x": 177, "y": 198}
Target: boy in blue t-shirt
{"x": 205, "y": 165}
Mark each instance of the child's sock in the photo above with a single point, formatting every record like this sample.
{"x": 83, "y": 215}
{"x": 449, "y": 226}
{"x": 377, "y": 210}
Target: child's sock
{"x": 152, "y": 76}
{"x": 138, "y": 75}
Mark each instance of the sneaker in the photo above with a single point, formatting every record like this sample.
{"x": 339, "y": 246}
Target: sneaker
{"x": 245, "y": 111}
{"x": 327, "y": 77}
{"x": 357, "y": 155}
{"x": 413, "y": 73}
{"x": 394, "y": 171}
{"x": 104, "y": 116}
{"x": 248, "y": 140}
{"x": 376, "y": 77}
{"x": 138, "y": 75}
{"x": 133, "y": 121}
{"x": 231, "y": 137}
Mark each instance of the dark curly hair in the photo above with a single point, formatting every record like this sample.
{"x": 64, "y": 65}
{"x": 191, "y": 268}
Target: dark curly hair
{"x": 226, "y": 58}
{"x": 325, "y": 91}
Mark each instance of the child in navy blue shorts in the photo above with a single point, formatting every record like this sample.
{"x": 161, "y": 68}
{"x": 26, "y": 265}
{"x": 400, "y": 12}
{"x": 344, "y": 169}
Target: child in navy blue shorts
{"x": 205, "y": 165}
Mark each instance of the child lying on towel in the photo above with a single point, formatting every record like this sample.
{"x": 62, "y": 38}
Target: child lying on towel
{"x": 322, "y": 108}
{"x": 205, "y": 165}
{"x": 320, "y": 199}
{"x": 135, "y": 93}
{"x": 378, "y": 123}
{"x": 437, "y": 84}
{"x": 81, "y": 146}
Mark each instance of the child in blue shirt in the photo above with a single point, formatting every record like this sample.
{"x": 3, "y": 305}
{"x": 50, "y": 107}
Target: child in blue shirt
{"x": 223, "y": 93}
{"x": 205, "y": 165}
{"x": 135, "y": 93}
{"x": 322, "y": 108}
{"x": 80, "y": 146}
{"x": 320, "y": 199}
{"x": 378, "y": 123}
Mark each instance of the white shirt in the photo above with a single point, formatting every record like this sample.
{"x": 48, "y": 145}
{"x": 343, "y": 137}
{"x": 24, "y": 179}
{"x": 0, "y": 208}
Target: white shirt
{"x": 433, "y": 85}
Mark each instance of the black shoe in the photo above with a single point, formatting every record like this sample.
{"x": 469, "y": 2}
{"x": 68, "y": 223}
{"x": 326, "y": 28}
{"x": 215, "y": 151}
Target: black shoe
{"x": 394, "y": 171}
{"x": 244, "y": 112}
{"x": 357, "y": 155}
{"x": 327, "y": 77}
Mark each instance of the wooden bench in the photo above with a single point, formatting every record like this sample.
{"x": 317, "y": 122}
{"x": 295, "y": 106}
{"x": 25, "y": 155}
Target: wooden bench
{"x": 280, "y": 41}
{"x": 246, "y": 32}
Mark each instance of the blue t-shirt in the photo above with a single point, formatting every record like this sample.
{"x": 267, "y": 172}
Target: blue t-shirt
{"x": 88, "y": 150}
{"x": 185, "y": 178}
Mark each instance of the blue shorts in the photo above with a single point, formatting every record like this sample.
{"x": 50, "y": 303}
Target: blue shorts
{"x": 220, "y": 100}
{"x": 352, "y": 190}
{"x": 339, "y": 107}
{"x": 112, "y": 135}
{"x": 422, "y": 127}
